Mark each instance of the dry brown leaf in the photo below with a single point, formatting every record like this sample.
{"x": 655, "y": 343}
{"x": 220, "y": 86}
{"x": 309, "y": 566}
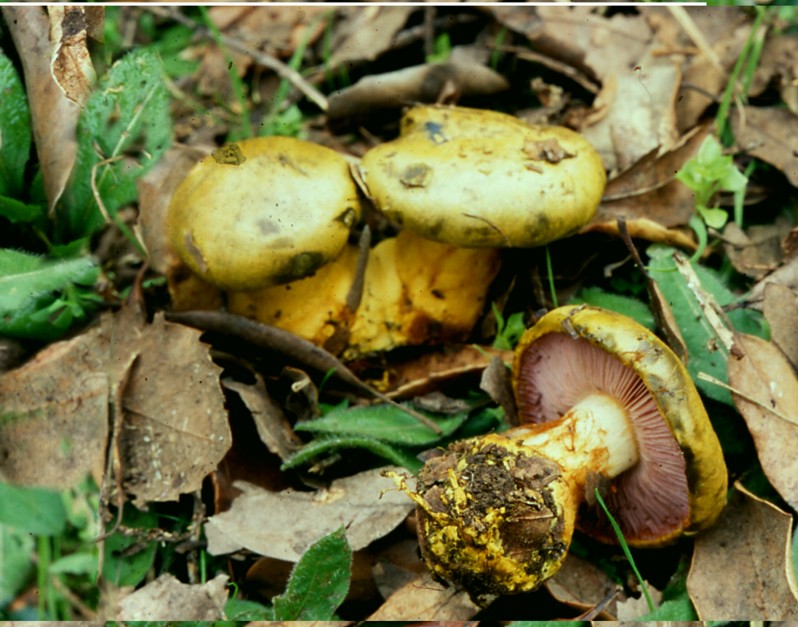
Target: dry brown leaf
{"x": 756, "y": 251}
{"x": 725, "y": 32}
{"x": 168, "y": 599}
{"x": 425, "y": 373}
{"x": 742, "y": 566}
{"x": 641, "y": 115}
{"x": 284, "y": 524}
{"x": 770, "y": 134}
{"x": 175, "y": 429}
{"x": 634, "y": 607}
{"x": 278, "y": 30}
{"x": 580, "y": 36}
{"x": 786, "y": 275}
{"x": 779, "y": 62}
{"x": 54, "y": 117}
{"x": 648, "y": 189}
{"x": 364, "y": 33}
{"x": 70, "y": 62}
{"x": 55, "y": 416}
{"x": 425, "y": 599}
{"x": 781, "y": 311}
{"x": 273, "y": 427}
{"x": 765, "y": 390}
{"x": 645, "y": 229}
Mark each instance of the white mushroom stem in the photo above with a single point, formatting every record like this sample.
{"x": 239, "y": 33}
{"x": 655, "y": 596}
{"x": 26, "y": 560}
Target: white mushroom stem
{"x": 594, "y": 436}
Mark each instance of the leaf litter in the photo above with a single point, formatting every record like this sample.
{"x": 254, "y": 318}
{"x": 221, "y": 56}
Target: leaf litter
{"x": 142, "y": 399}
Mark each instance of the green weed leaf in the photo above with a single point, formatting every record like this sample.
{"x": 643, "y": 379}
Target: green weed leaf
{"x": 15, "y": 133}
{"x": 40, "y": 298}
{"x": 332, "y": 444}
{"x": 121, "y": 569}
{"x": 122, "y": 132}
{"x": 627, "y": 305}
{"x": 509, "y": 330}
{"x": 382, "y": 422}
{"x": 319, "y": 582}
{"x": 35, "y": 510}
{"x": 705, "y": 353}
{"x": 16, "y": 547}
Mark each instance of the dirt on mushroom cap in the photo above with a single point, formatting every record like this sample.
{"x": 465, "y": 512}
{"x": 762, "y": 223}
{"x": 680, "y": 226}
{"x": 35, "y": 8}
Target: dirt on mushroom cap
{"x": 673, "y": 390}
{"x": 480, "y": 178}
{"x": 271, "y": 210}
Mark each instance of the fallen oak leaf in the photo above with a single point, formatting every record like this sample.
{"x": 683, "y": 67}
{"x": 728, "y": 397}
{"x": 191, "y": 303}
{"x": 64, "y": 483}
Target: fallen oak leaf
{"x": 170, "y": 425}
{"x": 742, "y": 566}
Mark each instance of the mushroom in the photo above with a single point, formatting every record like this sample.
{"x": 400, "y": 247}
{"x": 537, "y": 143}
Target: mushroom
{"x": 604, "y": 404}
{"x": 477, "y": 178}
{"x": 263, "y": 211}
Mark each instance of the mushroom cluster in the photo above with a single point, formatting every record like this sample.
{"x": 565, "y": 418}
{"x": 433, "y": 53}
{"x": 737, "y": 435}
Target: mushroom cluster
{"x": 603, "y": 404}
{"x": 261, "y": 217}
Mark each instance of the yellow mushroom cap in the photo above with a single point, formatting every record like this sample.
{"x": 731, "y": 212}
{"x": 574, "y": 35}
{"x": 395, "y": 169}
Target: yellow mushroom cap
{"x": 478, "y": 178}
{"x": 263, "y": 211}
{"x": 679, "y": 484}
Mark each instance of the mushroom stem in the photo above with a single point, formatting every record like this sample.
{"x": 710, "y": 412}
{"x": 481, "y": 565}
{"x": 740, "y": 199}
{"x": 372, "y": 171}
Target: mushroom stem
{"x": 594, "y": 437}
{"x": 496, "y": 513}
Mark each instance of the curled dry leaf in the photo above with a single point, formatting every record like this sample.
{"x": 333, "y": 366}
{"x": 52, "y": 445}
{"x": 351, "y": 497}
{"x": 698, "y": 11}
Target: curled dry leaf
{"x": 54, "y": 117}
{"x": 742, "y": 566}
{"x": 70, "y": 62}
{"x": 765, "y": 390}
{"x": 168, "y": 599}
{"x": 284, "y": 524}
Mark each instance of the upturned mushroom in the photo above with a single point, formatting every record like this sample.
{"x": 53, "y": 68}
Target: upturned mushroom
{"x": 604, "y": 404}
{"x": 263, "y": 211}
{"x": 477, "y": 178}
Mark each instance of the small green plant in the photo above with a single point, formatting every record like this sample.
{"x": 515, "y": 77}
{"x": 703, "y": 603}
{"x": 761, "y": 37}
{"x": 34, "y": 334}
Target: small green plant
{"x": 706, "y": 174}
{"x": 123, "y": 129}
{"x": 388, "y": 432}
{"x": 443, "y": 49}
{"x": 318, "y": 585}
{"x": 509, "y": 330}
